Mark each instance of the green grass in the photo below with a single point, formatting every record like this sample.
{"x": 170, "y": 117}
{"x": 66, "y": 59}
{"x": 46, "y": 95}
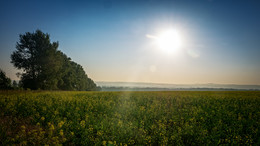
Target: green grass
{"x": 130, "y": 118}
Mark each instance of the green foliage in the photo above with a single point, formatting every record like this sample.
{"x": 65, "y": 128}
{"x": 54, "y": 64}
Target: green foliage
{"x": 130, "y": 118}
{"x": 15, "y": 85}
{"x": 45, "y": 67}
{"x": 5, "y": 82}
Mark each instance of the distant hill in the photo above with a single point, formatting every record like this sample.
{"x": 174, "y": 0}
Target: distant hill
{"x": 135, "y": 86}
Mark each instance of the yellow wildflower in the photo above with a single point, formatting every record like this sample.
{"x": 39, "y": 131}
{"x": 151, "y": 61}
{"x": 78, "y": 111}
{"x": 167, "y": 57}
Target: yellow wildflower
{"x": 51, "y": 127}
{"x": 99, "y": 133}
{"x": 60, "y": 124}
{"x": 82, "y": 123}
{"x": 61, "y": 132}
{"x": 23, "y": 127}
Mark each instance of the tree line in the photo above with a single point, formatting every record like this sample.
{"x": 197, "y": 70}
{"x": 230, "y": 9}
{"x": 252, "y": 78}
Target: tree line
{"x": 47, "y": 68}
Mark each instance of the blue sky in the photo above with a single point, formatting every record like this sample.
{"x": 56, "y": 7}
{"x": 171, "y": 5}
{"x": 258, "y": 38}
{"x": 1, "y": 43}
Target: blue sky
{"x": 221, "y": 38}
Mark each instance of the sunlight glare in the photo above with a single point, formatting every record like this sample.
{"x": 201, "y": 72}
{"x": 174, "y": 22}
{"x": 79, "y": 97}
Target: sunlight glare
{"x": 169, "y": 41}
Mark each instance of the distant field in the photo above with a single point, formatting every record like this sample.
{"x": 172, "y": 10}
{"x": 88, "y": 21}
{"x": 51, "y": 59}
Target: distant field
{"x": 130, "y": 118}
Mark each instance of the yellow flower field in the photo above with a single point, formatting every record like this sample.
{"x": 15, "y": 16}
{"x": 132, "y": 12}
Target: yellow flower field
{"x": 130, "y": 118}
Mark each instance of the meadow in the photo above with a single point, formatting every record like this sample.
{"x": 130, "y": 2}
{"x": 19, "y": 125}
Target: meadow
{"x": 130, "y": 118}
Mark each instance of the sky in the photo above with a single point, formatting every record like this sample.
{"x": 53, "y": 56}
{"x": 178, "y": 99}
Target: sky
{"x": 117, "y": 40}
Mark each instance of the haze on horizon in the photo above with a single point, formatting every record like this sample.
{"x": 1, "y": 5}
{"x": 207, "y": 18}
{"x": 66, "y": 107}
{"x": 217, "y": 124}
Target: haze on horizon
{"x": 128, "y": 41}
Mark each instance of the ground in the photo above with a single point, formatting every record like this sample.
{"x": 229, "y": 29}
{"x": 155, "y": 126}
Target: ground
{"x": 130, "y": 118}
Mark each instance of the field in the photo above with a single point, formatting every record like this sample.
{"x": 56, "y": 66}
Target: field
{"x": 130, "y": 118}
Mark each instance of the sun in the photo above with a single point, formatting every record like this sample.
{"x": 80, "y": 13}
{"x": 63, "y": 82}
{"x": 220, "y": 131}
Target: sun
{"x": 169, "y": 41}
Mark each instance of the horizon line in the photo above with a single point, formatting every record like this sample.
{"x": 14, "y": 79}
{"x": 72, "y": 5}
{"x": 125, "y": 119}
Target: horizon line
{"x": 177, "y": 83}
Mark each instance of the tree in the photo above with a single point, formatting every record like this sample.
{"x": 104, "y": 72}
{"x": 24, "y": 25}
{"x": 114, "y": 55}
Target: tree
{"x": 15, "y": 84}
{"x": 45, "y": 67}
{"x": 5, "y": 82}
{"x": 35, "y": 55}
{"x": 74, "y": 77}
